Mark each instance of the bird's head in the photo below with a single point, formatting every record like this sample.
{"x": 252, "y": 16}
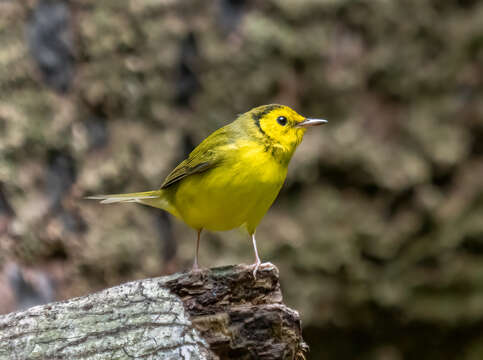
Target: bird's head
{"x": 279, "y": 124}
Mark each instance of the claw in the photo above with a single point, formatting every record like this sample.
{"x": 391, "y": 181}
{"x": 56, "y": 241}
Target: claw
{"x": 261, "y": 266}
{"x": 255, "y": 269}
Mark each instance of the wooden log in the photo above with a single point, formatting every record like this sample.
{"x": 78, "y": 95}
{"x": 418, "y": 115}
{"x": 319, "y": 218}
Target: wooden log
{"x": 220, "y": 313}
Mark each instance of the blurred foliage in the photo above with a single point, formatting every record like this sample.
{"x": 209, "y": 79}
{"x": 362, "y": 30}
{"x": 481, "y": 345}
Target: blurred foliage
{"x": 378, "y": 232}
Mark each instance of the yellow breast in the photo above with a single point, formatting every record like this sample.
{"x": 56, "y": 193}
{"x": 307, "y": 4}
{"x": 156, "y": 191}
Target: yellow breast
{"x": 237, "y": 192}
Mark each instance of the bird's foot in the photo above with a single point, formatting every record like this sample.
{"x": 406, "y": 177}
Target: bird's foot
{"x": 196, "y": 268}
{"x": 255, "y": 269}
{"x": 260, "y": 266}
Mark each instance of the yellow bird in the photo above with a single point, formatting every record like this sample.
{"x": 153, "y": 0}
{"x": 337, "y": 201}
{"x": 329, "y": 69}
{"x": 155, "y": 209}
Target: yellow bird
{"x": 232, "y": 178}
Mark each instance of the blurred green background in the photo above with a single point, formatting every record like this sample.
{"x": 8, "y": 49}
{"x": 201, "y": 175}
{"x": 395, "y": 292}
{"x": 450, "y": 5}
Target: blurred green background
{"x": 378, "y": 231}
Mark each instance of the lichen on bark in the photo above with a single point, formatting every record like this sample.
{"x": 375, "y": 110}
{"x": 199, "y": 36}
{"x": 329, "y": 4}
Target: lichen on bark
{"x": 222, "y": 313}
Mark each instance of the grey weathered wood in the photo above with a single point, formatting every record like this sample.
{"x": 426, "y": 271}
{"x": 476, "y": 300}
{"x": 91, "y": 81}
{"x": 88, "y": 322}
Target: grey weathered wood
{"x": 218, "y": 313}
{"x": 137, "y": 319}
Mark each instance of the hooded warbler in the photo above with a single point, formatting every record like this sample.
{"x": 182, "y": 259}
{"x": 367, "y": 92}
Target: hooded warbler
{"x": 232, "y": 178}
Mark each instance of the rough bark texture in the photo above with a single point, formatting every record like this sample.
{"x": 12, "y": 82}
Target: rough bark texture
{"x": 219, "y": 313}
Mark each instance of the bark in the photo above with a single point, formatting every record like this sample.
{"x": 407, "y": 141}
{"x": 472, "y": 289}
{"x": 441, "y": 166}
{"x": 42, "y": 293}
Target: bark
{"x": 215, "y": 313}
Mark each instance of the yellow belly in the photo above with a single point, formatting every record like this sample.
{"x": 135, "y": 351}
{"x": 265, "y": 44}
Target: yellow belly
{"x": 233, "y": 194}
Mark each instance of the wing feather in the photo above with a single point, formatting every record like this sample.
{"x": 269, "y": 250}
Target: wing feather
{"x": 205, "y": 156}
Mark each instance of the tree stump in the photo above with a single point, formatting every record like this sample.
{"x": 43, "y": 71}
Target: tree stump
{"x": 220, "y": 313}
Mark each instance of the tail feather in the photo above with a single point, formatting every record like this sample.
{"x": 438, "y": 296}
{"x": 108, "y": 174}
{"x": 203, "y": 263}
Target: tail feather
{"x": 131, "y": 197}
{"x": 154, "y": 198}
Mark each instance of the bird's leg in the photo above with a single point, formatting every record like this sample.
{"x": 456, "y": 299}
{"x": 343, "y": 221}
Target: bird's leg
{"x": 195, "y": 263}
{"x": 257, "y": 258}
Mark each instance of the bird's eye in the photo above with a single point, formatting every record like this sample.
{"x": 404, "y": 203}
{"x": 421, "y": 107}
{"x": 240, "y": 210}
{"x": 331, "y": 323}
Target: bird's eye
{"x": 282, "y": 120}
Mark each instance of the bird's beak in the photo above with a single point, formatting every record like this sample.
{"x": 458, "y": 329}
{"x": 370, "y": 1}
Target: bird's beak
{"x": 311, "y": 122}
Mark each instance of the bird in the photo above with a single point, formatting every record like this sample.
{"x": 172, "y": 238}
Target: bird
{"x": 232, "y": 177}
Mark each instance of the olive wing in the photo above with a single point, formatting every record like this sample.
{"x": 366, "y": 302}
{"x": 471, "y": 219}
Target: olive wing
{"x": 205, "y": 156}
